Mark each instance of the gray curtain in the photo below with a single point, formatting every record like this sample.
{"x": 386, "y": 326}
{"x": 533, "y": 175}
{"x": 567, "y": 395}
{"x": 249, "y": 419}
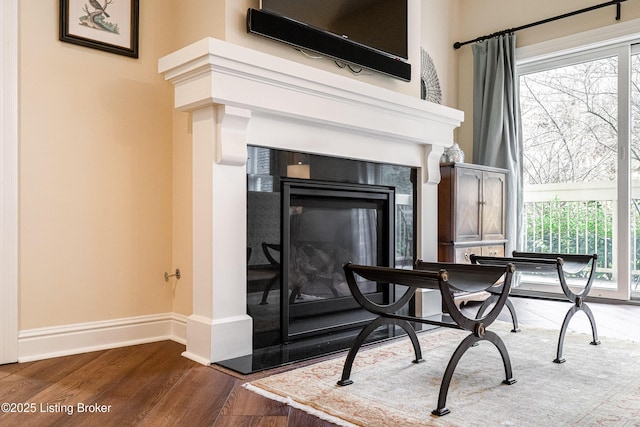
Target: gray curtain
{"x": 497, "y": 138}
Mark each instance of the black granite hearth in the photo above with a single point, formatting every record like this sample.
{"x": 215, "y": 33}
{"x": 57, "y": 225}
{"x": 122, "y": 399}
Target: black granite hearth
{"x": 310, "y": 348}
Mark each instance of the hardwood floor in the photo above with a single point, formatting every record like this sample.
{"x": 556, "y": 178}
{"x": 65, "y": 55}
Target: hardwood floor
{"x": 153, "y": 385}
{"x": 143, "y": 385}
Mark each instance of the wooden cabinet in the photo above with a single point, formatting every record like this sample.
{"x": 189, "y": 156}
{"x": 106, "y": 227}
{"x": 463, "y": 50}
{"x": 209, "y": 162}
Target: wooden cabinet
{"x": 471, "y": 203}
{"x": 471, "y": 213}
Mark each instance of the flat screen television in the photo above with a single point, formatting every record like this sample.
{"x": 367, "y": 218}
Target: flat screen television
{"x": 368, "y": 33}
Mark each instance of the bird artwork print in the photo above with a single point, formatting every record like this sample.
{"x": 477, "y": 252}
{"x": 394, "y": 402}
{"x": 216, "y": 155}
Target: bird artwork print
{"x": 98, "y": 6}
{"x": 96, "y": 14}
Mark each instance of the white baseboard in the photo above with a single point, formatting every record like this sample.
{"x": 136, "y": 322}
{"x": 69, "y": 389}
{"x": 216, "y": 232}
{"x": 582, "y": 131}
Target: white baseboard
{"x": 46, "y": 343}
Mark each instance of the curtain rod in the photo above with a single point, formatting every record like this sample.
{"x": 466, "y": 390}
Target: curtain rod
{"x": 458, "y": 45}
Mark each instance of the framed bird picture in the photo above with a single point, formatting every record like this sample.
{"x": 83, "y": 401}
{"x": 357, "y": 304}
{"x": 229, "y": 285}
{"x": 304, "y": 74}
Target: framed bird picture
{"x": 109, "y": 25}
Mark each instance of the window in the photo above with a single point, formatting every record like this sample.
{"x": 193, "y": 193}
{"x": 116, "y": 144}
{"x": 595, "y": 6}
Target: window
{"x": 577, "y": 114}
{"x": 634, "y": 157}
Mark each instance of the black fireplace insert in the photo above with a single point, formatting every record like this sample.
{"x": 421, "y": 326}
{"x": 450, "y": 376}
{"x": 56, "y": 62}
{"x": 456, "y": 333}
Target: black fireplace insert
{"x": 339, "y": 210}
{"x": 324, "y": 225}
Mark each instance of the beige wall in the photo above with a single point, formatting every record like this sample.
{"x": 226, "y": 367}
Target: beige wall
{"x": 196, "y": 19}
{"x": 95, "y": 168}
{"x": 105, "y": 160}
{"x": 439, "y": 29}
{"x": 481, "y": 17}
{"x": 182, "y": 252}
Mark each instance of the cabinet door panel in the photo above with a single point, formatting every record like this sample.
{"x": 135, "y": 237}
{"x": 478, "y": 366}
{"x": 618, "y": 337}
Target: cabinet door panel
{"x": 493, "y": 250}
{"x": 493, "y": 202}
{"x": 468, "y": 205}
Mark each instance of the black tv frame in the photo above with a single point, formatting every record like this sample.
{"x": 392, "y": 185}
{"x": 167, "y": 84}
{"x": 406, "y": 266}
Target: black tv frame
{"x": 294, "y": 33}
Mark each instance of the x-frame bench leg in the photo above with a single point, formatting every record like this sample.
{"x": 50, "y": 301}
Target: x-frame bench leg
{"x": 467, "y": 343}
{"x": 580, "y": 305}
{"x": 362, "y": 336}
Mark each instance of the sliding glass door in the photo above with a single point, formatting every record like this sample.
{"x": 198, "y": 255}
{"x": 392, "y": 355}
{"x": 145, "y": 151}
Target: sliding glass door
{"x": 634, "y": 157}
{"x": 576, "y": 146}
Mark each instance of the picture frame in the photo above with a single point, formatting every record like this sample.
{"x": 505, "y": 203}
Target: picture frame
{"x": 109, "y": 25}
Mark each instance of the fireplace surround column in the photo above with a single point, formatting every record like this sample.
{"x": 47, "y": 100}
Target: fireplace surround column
{"x": 238, "y": 96}
{"x": 219, "y": 327}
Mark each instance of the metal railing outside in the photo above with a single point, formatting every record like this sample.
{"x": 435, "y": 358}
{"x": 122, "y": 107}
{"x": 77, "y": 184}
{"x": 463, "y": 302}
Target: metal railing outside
{"x": 580, "y": 218}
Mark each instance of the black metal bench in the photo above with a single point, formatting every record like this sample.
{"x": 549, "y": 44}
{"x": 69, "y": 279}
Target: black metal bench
{"x": 446, "y": 278}
{"x": 561, "y": 264}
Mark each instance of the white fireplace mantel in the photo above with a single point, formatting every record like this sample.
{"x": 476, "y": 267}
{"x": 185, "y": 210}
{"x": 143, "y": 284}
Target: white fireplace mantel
{"x": 239, "y": 97}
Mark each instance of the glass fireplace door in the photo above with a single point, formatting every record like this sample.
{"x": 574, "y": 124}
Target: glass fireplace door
{"x": 324, "y": 226}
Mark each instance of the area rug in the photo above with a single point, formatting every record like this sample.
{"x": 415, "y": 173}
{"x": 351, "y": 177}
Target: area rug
{"x": 596, "y": 386}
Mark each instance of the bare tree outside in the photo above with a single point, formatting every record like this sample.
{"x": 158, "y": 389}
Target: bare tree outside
{"x": 570, "y": 146}
{"x": 570, "y": 129}
{"x": 635, "y": 120}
